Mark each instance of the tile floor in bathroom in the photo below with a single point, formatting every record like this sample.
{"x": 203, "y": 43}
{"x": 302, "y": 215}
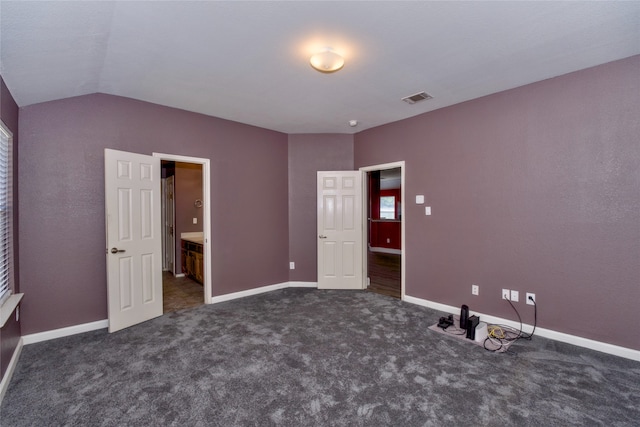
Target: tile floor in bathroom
{"x": 180, "y": 292}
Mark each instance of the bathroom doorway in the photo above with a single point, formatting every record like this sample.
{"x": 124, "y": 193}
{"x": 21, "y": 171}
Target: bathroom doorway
{"x": 186, "y": 225}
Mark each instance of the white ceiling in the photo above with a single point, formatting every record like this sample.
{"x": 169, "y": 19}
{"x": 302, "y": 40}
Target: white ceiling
{"x": 248, "y": 61}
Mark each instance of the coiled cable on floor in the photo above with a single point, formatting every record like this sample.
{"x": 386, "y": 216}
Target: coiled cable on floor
{"x": 501, "y": 336}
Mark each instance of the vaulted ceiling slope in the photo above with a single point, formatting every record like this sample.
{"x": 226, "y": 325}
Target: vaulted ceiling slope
{"x": 249, "y": 61}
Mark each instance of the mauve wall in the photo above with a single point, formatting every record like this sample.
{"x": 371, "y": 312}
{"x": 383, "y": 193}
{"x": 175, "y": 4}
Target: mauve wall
{"x": 10, "y": 333}
{"x": 62, "y": 212}
{"x": 188, "y": 188}
{"x": 535, "y": 189}
{"x": 309, "y": 153}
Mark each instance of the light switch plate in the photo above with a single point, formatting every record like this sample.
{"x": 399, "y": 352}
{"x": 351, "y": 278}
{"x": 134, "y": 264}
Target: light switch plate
{"x": 195, "y": 220}
{"x": 427, "y": 210}
{"x": 419, "y": 200}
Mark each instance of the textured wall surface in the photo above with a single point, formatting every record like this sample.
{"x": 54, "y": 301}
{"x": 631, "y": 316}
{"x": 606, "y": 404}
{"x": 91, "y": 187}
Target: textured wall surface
{"x": 535, "y": 189}
{"x": 188, "y": 188}
{"x": 62, "y": 214}
{"x": 309, "y": 153}
{"x": 9, "y": 339}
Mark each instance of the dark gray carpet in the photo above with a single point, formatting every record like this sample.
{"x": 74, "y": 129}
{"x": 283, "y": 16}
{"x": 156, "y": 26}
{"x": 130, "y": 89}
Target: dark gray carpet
{"x": 304, "y": 357}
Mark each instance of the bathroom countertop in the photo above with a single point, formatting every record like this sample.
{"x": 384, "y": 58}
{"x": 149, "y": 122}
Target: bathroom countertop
{"x": 199, "y": 240}
{"x": 194, "y": 237}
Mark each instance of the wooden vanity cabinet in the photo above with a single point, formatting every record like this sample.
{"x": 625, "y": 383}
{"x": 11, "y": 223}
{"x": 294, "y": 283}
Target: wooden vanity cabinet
{"x": 192, "y": 260}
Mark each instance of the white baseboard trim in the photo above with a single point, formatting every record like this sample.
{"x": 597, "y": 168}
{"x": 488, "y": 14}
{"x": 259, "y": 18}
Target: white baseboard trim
{"x": 603, "y": 347}
{"x": 64, "y": 332}
{"x": 303, "y": 284}
{"x": 249, "y": 292}
{"x": 547, "y": 333}
{"x": 261, "y": 290}
{"x": 101, "y": 324}
{"x": 385, "y": 250}
{"x": 6, "y": 379}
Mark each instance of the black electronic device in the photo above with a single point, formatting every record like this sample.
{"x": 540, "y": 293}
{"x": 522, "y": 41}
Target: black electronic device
{"x": 445, "y": 322}
{"x": 464, "y": 316}
{"x": 472, "y": 323}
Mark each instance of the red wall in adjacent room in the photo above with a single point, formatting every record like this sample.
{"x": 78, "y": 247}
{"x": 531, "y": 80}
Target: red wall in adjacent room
{"x": 385, "y": 234}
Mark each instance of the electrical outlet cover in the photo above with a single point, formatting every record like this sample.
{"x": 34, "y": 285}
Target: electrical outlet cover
{"x": 515, "y": 296}
{"x": 529, "y": 294}
{"x": 505, "y": 294}
{"x": 475, "y": 290}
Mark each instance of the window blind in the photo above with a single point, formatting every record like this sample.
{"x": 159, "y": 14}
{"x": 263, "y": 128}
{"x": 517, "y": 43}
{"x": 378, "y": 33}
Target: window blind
{"x": 6, "y": 213}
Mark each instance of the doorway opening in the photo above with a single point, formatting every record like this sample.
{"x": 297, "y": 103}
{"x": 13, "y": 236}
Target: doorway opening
{"x": 186, "y": 277}
{"x": 384, "y": 210}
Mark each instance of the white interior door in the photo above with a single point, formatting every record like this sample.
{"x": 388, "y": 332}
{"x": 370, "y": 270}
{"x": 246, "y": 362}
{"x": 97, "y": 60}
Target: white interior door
{"x": 134, "y": 238}
{"x": 340, "y": 230}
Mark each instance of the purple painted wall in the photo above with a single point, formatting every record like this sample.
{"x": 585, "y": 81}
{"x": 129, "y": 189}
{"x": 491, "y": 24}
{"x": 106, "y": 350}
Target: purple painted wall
{"x": 9, "y": 339}
{"x": 309, "y": 153}
{"x": 62, "y": 212}
{"x": 10, "y": 333}
{"x": 535, "y": 189}
{"x": 188, "y": 188}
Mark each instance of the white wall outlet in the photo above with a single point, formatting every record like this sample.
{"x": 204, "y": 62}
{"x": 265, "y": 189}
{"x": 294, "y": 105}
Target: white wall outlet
{"x": 475, "y": 290}
{"x": 505, "y": 294}
{"x": 427, "y": 210}
{"x": 530, "y": 295}
{"x": 292, "y": 265}
{"x": 195, "y": 220}
{"x": 515, "y": 296}
{"x": 419, "y": 200}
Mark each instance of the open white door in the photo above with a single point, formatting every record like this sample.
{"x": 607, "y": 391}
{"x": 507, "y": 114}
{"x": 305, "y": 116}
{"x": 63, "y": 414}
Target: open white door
{"x": 340, "y": 230}
{"x": 134, "y": 239}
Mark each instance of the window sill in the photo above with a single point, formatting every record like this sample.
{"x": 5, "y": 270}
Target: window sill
{"x": 8, "y": 307}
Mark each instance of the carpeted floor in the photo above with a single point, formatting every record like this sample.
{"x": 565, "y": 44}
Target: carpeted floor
{"x": 304, "y": 357}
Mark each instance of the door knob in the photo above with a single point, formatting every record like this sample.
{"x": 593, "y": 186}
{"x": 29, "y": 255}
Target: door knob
{"x": 322, "y": 237}
{"x": 116, "y": 250}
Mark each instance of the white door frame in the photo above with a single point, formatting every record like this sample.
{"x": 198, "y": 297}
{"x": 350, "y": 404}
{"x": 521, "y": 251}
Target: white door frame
{"x": 163, "y": 210}
{"x": 206, "y": 214}
{"x": 171, "y": 208}
{"x": 365, "y": 201}
{"x": 168, "y": 235}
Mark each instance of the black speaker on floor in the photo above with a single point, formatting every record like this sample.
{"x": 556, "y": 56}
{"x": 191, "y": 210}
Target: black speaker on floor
{"x": 464, "y": 316}
{"x": 472, "y": 323}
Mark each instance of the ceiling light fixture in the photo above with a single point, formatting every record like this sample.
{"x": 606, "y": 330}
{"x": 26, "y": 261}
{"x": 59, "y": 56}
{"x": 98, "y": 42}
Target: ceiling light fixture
{"x": 327, "y": 61}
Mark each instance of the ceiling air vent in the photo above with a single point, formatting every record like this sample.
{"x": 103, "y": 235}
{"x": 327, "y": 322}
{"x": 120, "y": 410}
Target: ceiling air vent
{"x": 412, "y": 99}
